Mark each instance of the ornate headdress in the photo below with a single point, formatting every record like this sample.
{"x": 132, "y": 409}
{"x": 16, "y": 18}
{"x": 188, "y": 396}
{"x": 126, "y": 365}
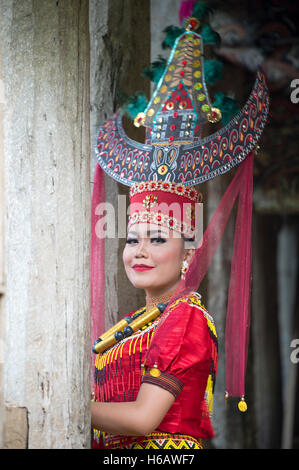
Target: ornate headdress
{"x": 174, "y": 158}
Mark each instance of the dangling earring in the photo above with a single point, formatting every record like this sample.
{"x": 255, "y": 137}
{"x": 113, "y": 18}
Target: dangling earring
{"x": 184, "y": 269}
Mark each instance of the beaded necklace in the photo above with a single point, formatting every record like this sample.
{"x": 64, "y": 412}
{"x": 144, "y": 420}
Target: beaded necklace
{"x": 154, "y": 301}
{"x": 127, "y": 327}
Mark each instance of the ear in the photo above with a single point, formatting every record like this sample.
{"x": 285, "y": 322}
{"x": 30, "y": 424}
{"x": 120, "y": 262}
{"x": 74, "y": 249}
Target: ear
{"x": 188, "y": 254}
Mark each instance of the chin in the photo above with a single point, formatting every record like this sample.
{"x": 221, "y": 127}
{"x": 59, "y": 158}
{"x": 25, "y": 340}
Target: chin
{"x": 138, "y": 284}
{"x": 139, "y": 280}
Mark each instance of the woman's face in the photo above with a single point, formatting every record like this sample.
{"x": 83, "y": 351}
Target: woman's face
{"x": 153, "y": 258}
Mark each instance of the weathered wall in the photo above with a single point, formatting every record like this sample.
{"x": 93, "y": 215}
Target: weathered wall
{"x": 120, "y": 48}
{"x": 2, "y": 283}
{"x": 45, "y": 57}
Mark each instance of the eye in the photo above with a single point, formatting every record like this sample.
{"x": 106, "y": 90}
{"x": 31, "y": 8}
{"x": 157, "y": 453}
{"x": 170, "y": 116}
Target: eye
{"x": 158, "y": 240}
{"x": 131, "y": 241}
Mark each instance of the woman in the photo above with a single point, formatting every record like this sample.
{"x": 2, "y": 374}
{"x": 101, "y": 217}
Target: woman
{"x": 145, "y": 398}
{"x": 155, "y": 387}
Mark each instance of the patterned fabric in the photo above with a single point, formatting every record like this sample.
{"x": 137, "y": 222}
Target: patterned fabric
{"x": 167, "y": 381}
{"x": 154, "y": 440}
{"x": 173, "y": 384}
{"x": 209, "y": 393}
{"x": 186, "y": 368}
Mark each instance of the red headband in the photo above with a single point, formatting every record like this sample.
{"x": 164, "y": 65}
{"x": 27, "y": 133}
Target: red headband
{"x": 168, "y": 204}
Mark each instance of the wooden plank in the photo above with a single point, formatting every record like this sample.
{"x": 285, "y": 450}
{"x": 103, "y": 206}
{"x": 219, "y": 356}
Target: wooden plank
{"x": 16, "y": 428}
{"x": 45, "y": 52}
{"x": 2, "y": 285}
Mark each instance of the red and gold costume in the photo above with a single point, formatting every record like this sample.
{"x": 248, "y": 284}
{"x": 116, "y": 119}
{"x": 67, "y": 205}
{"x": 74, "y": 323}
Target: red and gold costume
{"x": 178, "y": 351}
{"x": 186, "y": 368}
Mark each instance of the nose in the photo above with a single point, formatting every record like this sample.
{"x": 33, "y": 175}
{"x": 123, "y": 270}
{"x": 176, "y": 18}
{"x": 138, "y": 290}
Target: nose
{"x": 142, "y": 251}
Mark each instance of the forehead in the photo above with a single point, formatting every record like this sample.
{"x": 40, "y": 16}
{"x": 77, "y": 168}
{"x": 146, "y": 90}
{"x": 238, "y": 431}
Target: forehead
{"x": 145, "y": 230}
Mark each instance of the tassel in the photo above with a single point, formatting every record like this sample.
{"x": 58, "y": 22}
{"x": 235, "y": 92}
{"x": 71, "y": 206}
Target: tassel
{"x": 134, "y": 371}
{"x": 130, "y": 366}
{"x": 212, "y": 71}
{"x": 112, "y": 377}
{"x": 116, "y": 370}
{"x": 121, "y": 370}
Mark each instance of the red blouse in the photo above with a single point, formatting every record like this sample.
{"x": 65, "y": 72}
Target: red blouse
{"x": 187, "y": 361}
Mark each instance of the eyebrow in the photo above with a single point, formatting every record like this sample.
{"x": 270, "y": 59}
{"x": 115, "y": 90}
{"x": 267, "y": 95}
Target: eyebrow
{"x": 148, "y": 233}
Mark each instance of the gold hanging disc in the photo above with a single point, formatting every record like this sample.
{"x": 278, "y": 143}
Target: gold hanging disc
{"x": 155, "y": 372}
{"x": 242, "y": 405}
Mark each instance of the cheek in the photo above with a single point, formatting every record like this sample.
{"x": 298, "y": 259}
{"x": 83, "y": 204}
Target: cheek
{"x": 126, "y": 257}
{"x": 170, "y": 258}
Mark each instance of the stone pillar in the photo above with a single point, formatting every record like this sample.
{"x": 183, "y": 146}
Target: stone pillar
{"x": 45, "y": 58}
{"x": 120, "y": 49}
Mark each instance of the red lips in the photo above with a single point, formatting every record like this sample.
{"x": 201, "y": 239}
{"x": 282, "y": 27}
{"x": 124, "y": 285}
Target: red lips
{"x": 142, "y": 267}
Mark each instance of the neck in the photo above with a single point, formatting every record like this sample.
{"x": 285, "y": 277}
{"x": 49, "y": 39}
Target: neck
{"x": 153, "y": 300}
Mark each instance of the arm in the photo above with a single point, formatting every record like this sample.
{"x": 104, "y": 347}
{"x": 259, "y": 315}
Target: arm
{"x": 136, "y": 418}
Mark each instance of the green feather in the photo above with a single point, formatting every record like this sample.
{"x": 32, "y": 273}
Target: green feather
{"x": 172, "y": 33}
{"x": 228, "y": 106}
{"x": 210, "y": 36}
{"x": 155, "y": 71}
{"x": 212, "y": 71}
{"x": 200, "y": 10}
{"x": 135, "y": 104}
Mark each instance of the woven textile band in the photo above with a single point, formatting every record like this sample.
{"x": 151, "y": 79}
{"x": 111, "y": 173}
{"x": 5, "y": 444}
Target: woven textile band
{"x": 154, "y": 440}
{"x": 167, "y": 381}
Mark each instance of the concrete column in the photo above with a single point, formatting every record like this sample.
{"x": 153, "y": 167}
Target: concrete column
{"x": 45, "y": 47}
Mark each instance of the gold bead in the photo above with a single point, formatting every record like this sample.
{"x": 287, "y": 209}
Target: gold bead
{"x": 192, "y": 23}
{"x": 139, "y": 120}
{"x": 214, "y": 115}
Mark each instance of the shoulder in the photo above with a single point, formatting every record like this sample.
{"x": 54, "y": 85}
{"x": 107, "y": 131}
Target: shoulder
{"x": 191, "y": 306}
